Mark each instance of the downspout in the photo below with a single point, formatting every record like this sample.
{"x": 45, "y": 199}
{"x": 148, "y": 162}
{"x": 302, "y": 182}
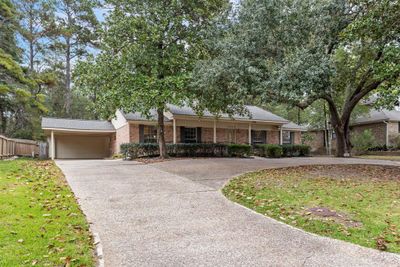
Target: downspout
{"x": 387, "y": 132}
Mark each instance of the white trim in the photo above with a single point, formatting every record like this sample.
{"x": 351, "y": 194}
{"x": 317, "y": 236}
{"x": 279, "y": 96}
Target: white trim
{"x": 249, "y": 133}
{"x": 53, "y": 150}
{"x": 215, "y": 132}
{"x": 79, "y": 130}
{"x": 281, "y": 136}
{"x": 174, "y": 130}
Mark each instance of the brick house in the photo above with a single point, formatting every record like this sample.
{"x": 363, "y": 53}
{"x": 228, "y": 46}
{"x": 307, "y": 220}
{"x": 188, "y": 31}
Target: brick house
{"x": 100, "y": 139}
{"x": 384, "y": 125}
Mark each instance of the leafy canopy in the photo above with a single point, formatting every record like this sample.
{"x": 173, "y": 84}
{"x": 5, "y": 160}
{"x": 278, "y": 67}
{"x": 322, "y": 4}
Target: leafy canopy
{"x": 148, "y": 49}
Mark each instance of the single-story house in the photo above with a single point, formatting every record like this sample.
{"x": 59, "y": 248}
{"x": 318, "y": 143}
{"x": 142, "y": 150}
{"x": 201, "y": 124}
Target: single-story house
{"x": 69, "y": 138}
{"x": 384, "y": 125}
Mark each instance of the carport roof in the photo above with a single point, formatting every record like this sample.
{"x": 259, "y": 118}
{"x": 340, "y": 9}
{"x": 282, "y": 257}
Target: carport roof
{"x": 73, "y": 124}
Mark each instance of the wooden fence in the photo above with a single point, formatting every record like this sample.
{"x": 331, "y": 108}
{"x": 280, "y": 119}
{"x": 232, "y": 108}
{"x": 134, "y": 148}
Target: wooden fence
{"x": 17, "y": 147}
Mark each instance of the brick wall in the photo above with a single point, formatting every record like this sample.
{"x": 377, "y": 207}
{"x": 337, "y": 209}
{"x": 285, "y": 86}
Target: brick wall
{"x": 393, "y": 130}
{"x": 122, "y": 136}
{"x": 207, "y": 135}
{"x": 169, "y": 134}
{"x": 134, "y": 133}
{"x": 378, "y": 130}
{"x": 273, "y": 137}
{"x": 297, "y": 138}
{"x": 242, "y": 136}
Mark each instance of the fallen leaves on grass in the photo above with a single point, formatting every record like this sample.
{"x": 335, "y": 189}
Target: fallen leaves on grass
{"x": 357, "y": 203}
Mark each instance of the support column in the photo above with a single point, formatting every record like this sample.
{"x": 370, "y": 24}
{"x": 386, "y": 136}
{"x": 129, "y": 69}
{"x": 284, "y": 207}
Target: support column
{"x": 215, "y": 132}
{"x": 249, "y": 133}
{"x": 280, "y": 136}
{"x": 174, "y": 131}
{"x": 52, "y": 148}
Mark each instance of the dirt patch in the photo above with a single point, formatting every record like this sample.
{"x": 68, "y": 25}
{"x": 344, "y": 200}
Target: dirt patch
{"x": 328, "y": 214}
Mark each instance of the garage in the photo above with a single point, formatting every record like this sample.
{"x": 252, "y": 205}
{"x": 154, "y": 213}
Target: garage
{"x": 78, "y": 139}
{"x": 81, "y": 146}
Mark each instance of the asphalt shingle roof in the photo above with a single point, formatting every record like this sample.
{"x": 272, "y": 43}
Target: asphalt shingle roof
{"x": 137, "y": 116}
{"x": 73, "y": 124}
{"x": 256, "y": 113}
{"x": 294, "y": 126}
{"x": 379, "y": 115}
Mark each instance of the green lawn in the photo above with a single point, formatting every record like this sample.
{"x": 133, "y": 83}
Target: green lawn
{"x": 381, "y": 157}
{"x": 40, "y": 221}
{"x": 356, "y": 203}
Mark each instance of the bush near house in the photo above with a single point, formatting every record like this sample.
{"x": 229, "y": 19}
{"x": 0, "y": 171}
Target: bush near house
{"x": 268, "y": 150}
{"x": 239, "y": 150}
{"x": 139, "y": 150}
{"x": 363, "y": 141}
{"x": 296, "y": 150}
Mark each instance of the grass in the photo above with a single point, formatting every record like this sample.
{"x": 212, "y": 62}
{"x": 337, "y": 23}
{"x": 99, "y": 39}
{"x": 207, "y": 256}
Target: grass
{"x": 381, "y": 157}
{"x": 363, "y": 201}
{"x": 40, "y": 221}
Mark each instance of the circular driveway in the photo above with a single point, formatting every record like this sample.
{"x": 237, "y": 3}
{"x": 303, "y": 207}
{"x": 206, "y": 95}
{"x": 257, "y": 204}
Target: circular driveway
{"x": 173, "y": 214}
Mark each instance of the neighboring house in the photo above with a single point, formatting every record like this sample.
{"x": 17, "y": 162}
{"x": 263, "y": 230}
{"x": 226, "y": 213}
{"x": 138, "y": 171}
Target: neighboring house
{"x": 100, "y": 139}
{"x": 384, "y": 125}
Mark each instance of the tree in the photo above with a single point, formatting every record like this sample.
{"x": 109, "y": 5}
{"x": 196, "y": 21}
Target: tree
{"x": 299, "y": 52}
{"x": 15, "y": 85}
{"x": 148, "y": 50}
{"x": 36, "y": 24}
{"x": 76, "y": 31}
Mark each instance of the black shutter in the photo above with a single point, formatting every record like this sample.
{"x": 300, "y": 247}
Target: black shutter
{"x": 182, "y": 134}
{"x": 198, "y": 135}
{"x": 264, "y": 136}
{"x": 141, "y": 133}
{"x": 252, "y": 137}
{"x": 292, "y": 138}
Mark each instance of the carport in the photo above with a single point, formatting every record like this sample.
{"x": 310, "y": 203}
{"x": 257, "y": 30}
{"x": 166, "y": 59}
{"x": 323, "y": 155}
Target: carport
{"x": 78, "y": 139}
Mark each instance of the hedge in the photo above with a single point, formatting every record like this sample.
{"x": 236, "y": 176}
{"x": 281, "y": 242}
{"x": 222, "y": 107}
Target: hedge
{"x": 268, "y": 150}
{"x": 138, "y": 150}
{"x": 239, "y": 150}
{"x": 296, "y": 150}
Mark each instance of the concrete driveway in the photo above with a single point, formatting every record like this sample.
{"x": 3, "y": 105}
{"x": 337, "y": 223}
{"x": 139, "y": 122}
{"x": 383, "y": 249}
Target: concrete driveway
{"x": 173, "y": 214}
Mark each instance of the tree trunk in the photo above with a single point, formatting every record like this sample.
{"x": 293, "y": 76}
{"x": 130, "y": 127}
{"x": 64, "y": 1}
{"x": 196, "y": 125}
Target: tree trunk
{"x": 343, "y": 144}
{"x": 160, "y": 131}
{"x": 3, "y": 121}
{"x": 68, "y": 77}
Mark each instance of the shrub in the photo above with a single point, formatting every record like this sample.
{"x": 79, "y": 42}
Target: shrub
{"x": 304, "y": 150}
{"x": 273, "y": 151}
{"x": 296, "y": 150}
{"x": 363, "y": 141}
{"x": 197, "y": 150}
{"x": 238, "y": 150}
{"x": 137, "y": 150}
{"x": 259, "y": 150}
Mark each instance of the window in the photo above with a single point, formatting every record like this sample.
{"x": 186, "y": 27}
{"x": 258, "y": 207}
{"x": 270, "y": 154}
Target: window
{"x": 258, "y": 137}
{"x": 149, "y": 134}
{"x": 287, "y": 137}
{"x": 190, "y": 135}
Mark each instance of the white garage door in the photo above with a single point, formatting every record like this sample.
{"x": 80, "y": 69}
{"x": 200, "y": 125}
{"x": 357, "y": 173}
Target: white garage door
{"x": 82, "y": 147}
